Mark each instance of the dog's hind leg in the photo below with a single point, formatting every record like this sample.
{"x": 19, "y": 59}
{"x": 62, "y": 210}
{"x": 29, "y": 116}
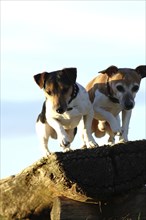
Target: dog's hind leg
{"x": 44, "y": 144}
{"x": 43, "y": 133}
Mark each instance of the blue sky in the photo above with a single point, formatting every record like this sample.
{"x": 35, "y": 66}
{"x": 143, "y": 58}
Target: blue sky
{"x": 39, "y": 36}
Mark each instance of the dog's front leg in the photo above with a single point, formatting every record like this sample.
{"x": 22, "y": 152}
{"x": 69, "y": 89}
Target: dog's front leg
{"x": 126, "y": 115}
{"x": 102, "y": 114}
{"x": 86, "y": 130}
{"x": 111, "y": 134}
{"x": 61, "y": 134}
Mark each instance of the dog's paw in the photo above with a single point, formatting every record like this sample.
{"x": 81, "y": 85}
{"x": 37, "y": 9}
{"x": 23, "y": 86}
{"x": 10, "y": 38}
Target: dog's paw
{"x": 123, "y": 137}
{"x": 84, "y": 146}
{"x": 121, "y": 141}
{"x": 64, "y": 142}
{"x": 48, "y": 153}
{"x": 91, "y": 144}
{"x": 111, "y": 140}
{"x": 66, "y": 149}
{"x": 116, "y": 129}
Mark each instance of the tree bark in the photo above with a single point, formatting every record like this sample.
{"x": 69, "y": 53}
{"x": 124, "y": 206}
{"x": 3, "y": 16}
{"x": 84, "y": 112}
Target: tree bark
{"x": 105, "y": 174}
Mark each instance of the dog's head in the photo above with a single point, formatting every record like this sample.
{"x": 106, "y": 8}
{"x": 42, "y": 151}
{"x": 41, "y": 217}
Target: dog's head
{"x": 58, "y": 87}
{"x": 124, "y": 83}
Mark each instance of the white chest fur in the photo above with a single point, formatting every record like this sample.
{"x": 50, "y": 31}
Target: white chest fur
{"x": 78, "y": 107}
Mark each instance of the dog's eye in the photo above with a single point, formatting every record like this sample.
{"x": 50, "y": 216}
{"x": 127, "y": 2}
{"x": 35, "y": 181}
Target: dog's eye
{"x": 135, "y": 88}
{"x": 120, "y": 88}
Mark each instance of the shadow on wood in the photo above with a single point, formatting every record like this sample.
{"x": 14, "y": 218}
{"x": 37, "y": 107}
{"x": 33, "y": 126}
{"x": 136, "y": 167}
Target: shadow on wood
{"x": 112, "y": 176}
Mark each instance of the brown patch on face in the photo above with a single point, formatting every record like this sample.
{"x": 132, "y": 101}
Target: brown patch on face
{"x": 99, "y": 83}
{"x": 127, "y": 79}
{"x": 124, "y": 76}
{"x": 59, "y": 94}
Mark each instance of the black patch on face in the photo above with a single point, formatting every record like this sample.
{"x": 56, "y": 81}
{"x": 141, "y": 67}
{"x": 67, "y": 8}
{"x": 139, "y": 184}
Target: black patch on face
{"x": 42, "y": 115}
{"x": 57, "y": 78}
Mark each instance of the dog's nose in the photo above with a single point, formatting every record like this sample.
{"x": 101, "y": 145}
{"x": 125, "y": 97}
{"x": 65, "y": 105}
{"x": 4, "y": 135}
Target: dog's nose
{"x": 60, "y": 110}
{"x": 129, "y": 105}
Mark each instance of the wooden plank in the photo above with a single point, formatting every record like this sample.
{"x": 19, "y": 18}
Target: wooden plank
{"x": 123, "y": 207}
{"x": 64, "y": 208}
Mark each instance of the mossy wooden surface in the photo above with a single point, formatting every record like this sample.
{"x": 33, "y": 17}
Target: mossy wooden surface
{"x": 105, "y": 175}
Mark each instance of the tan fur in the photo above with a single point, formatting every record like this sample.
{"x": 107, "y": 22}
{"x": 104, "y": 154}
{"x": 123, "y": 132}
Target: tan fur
{"x": 98, "y": 90}
{"x": 97, "y": 83}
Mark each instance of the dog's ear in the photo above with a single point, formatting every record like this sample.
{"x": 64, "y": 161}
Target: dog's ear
{"x": 40, "y": 78}
{"x": 110, "y": 70}
{"x": 71, "y": 74}
{"x": 141, "y": 70}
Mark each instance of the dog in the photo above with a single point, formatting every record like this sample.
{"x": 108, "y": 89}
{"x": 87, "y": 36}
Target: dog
{"x": 67, "y": 103}
{"x": 111, "y": 92}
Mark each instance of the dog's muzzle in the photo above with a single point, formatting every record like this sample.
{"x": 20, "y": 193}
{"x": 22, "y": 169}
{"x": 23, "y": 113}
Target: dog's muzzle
{"x": 60, "y": 110}
{"x": 128, "y": 104}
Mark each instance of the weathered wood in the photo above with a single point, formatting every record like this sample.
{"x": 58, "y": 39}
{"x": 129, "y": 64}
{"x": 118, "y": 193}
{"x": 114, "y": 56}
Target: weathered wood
{"x": 91, "y": 174}
{"x": 64, "y": 208}
{"x": 127, "y": 207}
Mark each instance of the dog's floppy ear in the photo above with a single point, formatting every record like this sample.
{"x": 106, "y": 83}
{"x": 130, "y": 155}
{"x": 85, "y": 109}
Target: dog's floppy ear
{"x": 110, "y": 70}
{"x": 40, "y": 78}
{"x": 141, "y": 70}
{"x": 71, "y": 74}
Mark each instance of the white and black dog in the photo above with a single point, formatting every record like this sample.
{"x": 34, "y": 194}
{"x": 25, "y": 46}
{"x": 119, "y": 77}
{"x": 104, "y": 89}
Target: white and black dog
{"x": 67, "y": 102}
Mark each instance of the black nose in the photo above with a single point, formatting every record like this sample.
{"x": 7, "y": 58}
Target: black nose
{"x": 129, "y": 105}
{"x": 60, "y": 110}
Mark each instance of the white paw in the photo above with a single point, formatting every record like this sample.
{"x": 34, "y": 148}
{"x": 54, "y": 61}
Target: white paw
{"x": 111, "y": 141}
{"x": 91, "y": 144}
{"x": 64, "y": 141}
{"x": 116, "y": 129}
{"x": 48, "y": 153}
{"x": 122, "y": 139}
{"x": 84, "y": 146}
{"x": 67, "y": 149}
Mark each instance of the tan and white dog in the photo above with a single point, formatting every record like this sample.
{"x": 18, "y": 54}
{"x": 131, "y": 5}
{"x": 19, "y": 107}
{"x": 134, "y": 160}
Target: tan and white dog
{"x": 67, "y": 102}
{"x": 111, "y": 92}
